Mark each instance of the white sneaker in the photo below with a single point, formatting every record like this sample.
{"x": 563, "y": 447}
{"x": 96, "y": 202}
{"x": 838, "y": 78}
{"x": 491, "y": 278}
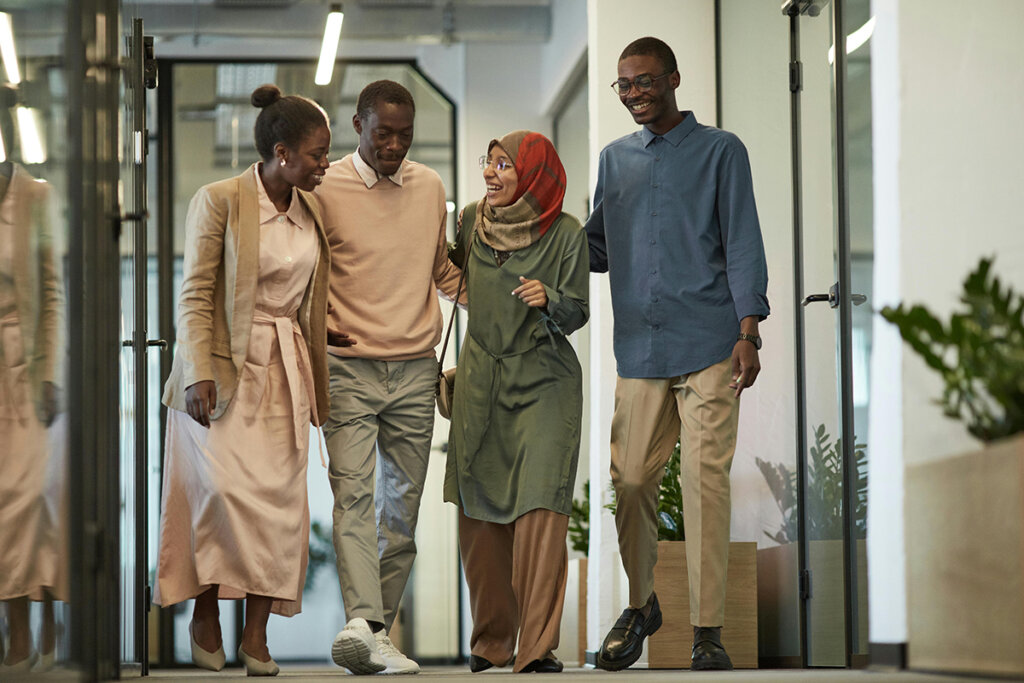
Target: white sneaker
{"x": 393, "y": 657}
{"x": 355, "y": 648}
{"x": 395, "y": 660}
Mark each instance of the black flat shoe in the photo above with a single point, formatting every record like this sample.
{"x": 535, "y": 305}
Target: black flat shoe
{"x": 548, "y": 665}
{"x": 625, "y": 642}
{"x": 708, "y": 653}
{"x": 478, "y": 664}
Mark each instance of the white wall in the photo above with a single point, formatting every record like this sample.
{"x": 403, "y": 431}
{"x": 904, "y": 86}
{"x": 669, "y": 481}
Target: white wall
{"x": 949, "y": 165}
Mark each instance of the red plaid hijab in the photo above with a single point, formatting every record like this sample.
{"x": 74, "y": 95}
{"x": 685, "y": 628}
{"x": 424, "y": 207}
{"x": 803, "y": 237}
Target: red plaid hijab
{"x": 538, "y": 198}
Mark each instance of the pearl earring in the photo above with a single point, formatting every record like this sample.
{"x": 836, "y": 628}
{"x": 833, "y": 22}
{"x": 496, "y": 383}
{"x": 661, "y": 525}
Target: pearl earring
{"x": 282, "y": 162}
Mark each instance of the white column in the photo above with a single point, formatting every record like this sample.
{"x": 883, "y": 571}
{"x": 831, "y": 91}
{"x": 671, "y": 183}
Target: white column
{"x": 689, "y": 29}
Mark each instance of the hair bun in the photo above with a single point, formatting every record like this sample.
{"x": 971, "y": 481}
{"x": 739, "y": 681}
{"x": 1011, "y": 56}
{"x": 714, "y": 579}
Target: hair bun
{"x": 265, "y": 95}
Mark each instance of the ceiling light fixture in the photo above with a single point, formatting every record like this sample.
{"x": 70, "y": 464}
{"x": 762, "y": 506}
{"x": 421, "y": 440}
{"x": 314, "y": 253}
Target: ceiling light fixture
{"x": 855, "y": 40}
{"x": 32, "y": 151}
{"x": 329, "y": 49}
{"x": 7, "y": 53}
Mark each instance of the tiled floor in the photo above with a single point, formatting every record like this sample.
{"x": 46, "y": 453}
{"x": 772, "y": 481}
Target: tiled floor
{"x": 437, "y": 674}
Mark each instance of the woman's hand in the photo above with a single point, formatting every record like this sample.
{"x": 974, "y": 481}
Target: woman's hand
{"x": 200, "y": 400}
{"x": 531, "y": 292}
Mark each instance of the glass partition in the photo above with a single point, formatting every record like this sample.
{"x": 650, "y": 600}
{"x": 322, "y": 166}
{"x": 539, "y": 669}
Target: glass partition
{"x": 210, "y": 138}
{"x": 35, "y": 582}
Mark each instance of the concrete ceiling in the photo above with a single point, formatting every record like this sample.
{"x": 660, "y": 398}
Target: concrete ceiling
{"x": 202, "y": 22}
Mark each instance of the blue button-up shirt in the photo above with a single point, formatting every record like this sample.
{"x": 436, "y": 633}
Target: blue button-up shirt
{"x": 676, "y": 229}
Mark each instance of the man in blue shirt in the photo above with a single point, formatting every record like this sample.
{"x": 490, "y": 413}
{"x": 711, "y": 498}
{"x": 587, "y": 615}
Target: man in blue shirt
{"x": 676, "y": 229}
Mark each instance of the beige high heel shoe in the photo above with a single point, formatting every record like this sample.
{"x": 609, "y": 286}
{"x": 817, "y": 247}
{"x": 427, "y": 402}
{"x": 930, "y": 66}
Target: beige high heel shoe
{"x": 254, "y": 667}
{"x": 204, "y": 659}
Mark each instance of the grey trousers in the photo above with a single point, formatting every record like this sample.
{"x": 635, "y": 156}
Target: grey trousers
{"x": 381, "y": 411}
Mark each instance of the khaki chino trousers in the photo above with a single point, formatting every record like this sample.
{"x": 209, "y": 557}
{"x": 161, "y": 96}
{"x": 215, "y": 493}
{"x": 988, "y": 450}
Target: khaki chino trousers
{"x": 378, "y": 440}
{"x": 701, "y": 410}
{"x": 516, "y": 574}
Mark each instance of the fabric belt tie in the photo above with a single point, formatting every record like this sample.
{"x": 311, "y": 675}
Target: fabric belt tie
{"x": 14, "y": 374}
{"x": 287, "y": 328}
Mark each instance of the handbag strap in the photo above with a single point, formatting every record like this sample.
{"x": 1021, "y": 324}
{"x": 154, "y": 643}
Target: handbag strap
{"x": 455, "y": 306}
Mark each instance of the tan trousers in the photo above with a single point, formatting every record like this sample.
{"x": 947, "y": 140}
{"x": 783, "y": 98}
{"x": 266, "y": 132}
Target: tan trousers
{"x": 516, "y": 574}
{"x": 701, "y": 410}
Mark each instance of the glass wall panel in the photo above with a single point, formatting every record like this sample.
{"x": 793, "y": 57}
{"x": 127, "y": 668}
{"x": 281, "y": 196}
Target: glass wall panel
{"x": 35, "y": 585}
{"x": 212, "y": 121}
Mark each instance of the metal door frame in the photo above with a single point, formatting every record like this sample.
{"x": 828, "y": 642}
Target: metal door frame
{"x": 794, "y": 9}
{"x": 93, "y": 79}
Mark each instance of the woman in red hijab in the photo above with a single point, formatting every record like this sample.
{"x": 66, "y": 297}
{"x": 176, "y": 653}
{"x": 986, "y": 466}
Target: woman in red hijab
{"x": 517, "y": 412}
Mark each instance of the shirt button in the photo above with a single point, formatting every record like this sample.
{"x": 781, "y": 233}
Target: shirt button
{"x": 287, "y": 259}
{"x": 655, "y": 299}
{"x": 657, "y": 327}
{"x": 654, "y": 213}
{"x": 280, "y": 219}
{"x": 657, "y": 158}
{"x": 656, "y": 185}
{"x": 653, "y": 242}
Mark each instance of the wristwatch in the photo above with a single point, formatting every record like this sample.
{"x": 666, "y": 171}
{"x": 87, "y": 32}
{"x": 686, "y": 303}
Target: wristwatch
{"x": 752, "y": 338}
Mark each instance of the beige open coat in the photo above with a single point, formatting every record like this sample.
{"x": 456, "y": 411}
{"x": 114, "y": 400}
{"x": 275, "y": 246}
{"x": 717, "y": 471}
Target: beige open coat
{"x": 222, "y": 248}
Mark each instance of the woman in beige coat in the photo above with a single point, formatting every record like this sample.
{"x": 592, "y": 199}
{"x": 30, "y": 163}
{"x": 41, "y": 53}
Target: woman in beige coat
{"x": 249, "y": 377}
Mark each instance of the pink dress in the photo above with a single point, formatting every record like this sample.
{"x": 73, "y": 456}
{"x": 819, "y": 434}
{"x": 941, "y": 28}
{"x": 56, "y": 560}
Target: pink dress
{"x": 28, "y": 532}
{"x": 235, "y": 509}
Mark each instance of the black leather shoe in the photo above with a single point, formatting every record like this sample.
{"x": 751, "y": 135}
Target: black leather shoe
{"x": 625, "y": 642}
{"x": 708, "y": 653}
{"x": 548, "y": 665}
{"x": 478, "y": 664}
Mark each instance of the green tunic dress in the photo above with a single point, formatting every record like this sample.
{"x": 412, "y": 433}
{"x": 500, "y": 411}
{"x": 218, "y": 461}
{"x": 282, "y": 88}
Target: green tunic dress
{"x": 517, "y": 413}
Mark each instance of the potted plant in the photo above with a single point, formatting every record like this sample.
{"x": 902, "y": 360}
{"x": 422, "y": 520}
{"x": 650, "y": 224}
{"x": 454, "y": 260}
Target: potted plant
{"x": 965, "y": 513}
{"x": 778, "y": 601}
{"x": 671, "y": 585}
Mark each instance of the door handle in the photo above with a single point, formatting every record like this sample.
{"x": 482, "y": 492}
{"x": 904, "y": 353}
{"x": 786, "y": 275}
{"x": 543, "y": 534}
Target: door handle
{"x": 149, "y": 342}
{"x": 814, "y": 298}
{"x": 833, "y": 297}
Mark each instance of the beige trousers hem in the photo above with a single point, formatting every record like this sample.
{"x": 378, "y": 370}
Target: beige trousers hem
{"x": 516, "y": 574}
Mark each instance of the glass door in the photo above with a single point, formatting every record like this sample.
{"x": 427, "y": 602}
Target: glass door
{"x": 832, "y": 256}
{"x": 139, "y": 75}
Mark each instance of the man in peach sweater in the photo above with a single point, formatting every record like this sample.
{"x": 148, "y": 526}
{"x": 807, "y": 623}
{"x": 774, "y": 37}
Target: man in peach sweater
{"x": 385, "y": 218}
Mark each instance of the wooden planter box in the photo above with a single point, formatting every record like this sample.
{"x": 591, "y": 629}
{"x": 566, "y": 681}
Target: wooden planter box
{"x": 965, "y": 561}
{"x": 669, "y": 648}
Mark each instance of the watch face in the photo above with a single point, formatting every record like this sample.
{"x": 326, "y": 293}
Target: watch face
{"x": 753, "y": 339}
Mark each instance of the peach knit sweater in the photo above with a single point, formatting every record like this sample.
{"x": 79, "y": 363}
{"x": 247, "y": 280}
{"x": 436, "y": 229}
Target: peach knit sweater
{"x": 388, "y": 259}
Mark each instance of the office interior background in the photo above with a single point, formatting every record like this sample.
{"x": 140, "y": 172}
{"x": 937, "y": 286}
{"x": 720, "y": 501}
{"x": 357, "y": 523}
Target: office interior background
{"x": 885, "y": 166}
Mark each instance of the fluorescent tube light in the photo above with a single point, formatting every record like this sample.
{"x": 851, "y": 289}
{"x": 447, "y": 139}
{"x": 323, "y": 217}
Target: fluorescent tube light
{"x": 3, "y": 150}
{"x": 855, "y": 39}
{"x": 7, "y": 53}
{"x": 329, "y": 49}
{"x": 32, "y": 151}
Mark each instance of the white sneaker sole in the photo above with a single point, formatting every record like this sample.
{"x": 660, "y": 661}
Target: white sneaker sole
{"x": 400, "y": 670}
{"x": 351, "y": 652}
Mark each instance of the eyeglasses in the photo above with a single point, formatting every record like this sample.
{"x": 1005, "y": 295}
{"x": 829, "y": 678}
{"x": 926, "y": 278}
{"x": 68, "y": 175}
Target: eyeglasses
{"x": 643, "y": 83}
{"x": 498, "y": 164}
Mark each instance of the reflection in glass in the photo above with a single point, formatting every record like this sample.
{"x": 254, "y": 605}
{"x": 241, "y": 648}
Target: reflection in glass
{"x": 32, "y": 486}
